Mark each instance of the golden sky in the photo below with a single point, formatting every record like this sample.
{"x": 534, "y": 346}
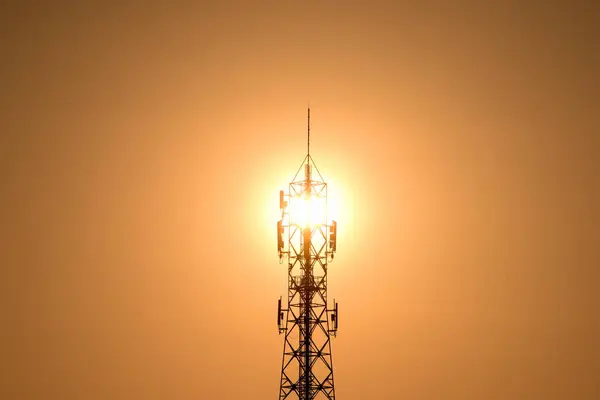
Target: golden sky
{"x": 143, "y": 146}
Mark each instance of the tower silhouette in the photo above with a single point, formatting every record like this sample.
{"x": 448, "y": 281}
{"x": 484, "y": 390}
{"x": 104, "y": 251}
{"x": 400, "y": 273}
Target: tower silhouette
{"x": 308, "y": 243}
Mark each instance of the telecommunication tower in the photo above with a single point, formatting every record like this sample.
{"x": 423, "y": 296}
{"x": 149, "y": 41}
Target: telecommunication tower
{"x": 308, "y": 243}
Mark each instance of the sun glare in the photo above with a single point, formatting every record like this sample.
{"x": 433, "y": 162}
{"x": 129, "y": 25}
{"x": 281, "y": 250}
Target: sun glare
{"x": 308, "y": 212}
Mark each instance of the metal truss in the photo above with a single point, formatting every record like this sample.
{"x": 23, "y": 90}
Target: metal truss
{"x": 307, "y": 322}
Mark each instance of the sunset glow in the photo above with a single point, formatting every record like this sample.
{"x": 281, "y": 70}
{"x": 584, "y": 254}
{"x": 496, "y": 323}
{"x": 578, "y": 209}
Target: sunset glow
{"x": 308, "y": 212}
{"x": 145, "y": 146}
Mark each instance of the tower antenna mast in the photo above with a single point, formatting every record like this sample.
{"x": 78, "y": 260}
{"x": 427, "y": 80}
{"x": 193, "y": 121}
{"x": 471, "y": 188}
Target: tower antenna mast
{"x": 307, "y": 240}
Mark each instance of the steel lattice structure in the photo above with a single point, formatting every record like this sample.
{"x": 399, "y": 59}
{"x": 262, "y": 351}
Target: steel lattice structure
{"x": 308, "y": 243}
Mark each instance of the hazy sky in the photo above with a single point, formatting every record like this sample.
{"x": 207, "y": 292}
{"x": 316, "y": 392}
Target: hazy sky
{"x": 143, "y": 147}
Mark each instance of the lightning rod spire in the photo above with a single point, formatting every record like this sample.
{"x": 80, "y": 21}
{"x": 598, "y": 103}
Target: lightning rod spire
{"x": 309, "y": 131}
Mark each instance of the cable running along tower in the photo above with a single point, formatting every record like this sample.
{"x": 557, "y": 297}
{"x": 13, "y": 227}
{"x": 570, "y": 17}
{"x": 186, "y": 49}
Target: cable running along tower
{"x": 307, "y": 242}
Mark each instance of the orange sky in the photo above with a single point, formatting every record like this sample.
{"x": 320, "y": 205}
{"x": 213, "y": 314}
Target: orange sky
{"x": 143, "y": 147}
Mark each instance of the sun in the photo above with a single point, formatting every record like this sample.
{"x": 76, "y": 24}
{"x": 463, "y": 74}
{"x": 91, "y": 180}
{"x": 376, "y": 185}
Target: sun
{"x": 308, "y": 212}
